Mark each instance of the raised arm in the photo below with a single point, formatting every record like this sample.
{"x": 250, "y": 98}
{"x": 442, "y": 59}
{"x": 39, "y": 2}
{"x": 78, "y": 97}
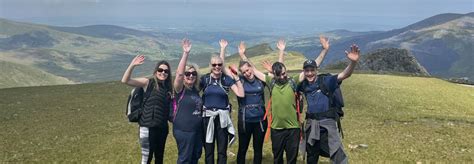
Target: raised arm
{"x": 237, "y": 88}
{"x": 223, "y": 43}
{"x": 353, "y": 56}
{"x": 135, "y": 82}
{"x": 268, "y": 66}
{"x": 243, "y": 57}
{"x": 325, "y": 45}
{"x": 178, "y": 81}
{"x": 281, "y": 46}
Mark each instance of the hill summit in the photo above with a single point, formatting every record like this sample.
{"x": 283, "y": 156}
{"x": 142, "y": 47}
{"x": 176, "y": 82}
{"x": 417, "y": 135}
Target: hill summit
{"x": 387, "y": 60}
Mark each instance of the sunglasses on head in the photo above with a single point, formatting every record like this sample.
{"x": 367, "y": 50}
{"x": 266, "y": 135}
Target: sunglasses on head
{"x": 215, "y": 65}
{"x": 187, "y": 74}
{"x": 160, "y": 70}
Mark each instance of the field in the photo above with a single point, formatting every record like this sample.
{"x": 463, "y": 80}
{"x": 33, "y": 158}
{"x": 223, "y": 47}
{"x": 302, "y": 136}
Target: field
{"x": 401, "y": 119}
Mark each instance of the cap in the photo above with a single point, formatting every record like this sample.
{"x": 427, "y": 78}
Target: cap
{"x": 310, "y": 63}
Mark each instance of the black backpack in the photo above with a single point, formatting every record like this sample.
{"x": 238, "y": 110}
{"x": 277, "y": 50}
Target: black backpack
{"x": 336, "y": 101}
{"x": 136, "y": 100}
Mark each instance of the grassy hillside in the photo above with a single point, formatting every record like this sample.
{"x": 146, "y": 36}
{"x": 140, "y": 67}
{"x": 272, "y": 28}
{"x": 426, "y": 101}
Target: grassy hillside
{"x": 85, "y": 54}
{"x": 263, "y": 52}
{"x": 17, "y": 75}
{"x": 401, "y": 119}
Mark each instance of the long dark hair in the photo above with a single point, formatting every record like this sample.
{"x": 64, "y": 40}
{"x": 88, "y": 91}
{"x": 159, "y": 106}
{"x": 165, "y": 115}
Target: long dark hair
{"x": 167, "y": 82}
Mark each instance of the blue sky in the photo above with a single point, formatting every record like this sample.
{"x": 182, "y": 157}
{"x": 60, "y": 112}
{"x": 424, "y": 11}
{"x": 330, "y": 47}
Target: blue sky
{"x": 360, "y": 15}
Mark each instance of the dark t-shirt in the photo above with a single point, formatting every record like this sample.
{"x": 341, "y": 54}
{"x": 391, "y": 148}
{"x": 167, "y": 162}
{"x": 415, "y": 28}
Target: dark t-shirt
{"x": 188, "y": 116}
{"x": 215, "y": 91}
{"x": 254, "y": 100}
{"x": 316, "y": 100}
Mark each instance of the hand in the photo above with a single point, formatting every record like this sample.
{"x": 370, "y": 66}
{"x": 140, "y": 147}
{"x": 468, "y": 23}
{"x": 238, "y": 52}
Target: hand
{"x": 138, "y": 60}
{"x": 267, "y": 65}
{"x": 324, "y": 42}
{"x": 233, "y": 69}
{"x": 242, "y": 47}
{"x": 223, "y": 43}
{"x": 186, "y": 44}
{"x": 354, "y": 54}
{"x": 281, "y": 45}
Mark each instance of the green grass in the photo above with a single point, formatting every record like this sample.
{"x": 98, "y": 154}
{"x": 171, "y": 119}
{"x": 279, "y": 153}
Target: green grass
{"x": 401, "y": 119}
{"x": 16, "y": 75}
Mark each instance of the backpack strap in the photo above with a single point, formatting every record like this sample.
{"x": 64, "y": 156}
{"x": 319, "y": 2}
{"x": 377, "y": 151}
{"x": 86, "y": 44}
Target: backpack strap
{"x": 269, "y": 106}
{"x": 149, "y": 89}
{"x": 208, "y": 81}
{"x": 176, "y": 103}
{"x": 333, "y": 111}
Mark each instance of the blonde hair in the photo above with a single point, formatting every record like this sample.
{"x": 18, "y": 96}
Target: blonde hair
{"x": 216, "y": 58}
{"x": 196, "y": 68}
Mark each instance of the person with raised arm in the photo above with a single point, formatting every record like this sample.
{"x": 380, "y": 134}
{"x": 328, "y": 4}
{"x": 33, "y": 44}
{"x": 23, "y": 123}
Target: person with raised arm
{"x": 251, "y": 110}
{"x": 218, "y": 125}
{"x": 187, "y": 107}
{"x": 153, "y": 118}
{"x": 322, "y": 116}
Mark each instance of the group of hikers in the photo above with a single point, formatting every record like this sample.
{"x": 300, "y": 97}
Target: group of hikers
{"x": 200, "y": 111}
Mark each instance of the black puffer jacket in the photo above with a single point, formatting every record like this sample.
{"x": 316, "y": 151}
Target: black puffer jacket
{"x": 156, "y": 108}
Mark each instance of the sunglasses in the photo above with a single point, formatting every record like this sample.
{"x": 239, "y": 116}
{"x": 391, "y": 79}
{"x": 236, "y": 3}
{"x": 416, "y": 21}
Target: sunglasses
{"x": 160, "y": 70}
{"x": 187, "y": 74}
{"x": 215, "y": 65}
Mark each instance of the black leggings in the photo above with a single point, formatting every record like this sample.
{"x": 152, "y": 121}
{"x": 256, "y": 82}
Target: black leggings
{"x": 257, "y": 130}
{"x": 152, "y": 141}
{"x": 222, "y": 137}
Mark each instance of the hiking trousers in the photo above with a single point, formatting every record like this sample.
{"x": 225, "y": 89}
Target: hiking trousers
{"x": 189, "y": 145}
{"x": 285, "y": 140}
{"x": 255, "y": 129}
{"x": 221, "y": 137}
{"x": 152, "y": 142}
{"x": 327, "y": 142}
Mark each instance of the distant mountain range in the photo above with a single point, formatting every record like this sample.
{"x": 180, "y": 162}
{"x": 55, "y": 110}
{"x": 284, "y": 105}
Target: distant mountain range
{"x": 442, "y": 44}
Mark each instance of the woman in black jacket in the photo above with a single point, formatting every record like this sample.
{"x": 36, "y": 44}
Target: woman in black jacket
{"x": 153, "y": 125}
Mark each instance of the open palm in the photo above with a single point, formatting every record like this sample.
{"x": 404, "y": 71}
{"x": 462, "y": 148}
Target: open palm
{"x": 223, "y": 43}
{"x": 324, "y": 42}
{"x": 354, "y": 53}
{"x": 267, "y": 65}
{"x": 186, "y": 45}
{"x": 281, "y": 45}
{"x": 138, "y": 60}
{"x": 242, "y": 47}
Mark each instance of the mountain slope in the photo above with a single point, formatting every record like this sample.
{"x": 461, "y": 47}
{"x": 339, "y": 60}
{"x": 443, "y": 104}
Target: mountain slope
{"x": 16, "y": 75}
{"x": 104, "y": 31}
{"x": 401, "y": 119}
{"x": 263, "y": 52}
{"x": 442, "y": 44}
{"x": 85, "y": 54}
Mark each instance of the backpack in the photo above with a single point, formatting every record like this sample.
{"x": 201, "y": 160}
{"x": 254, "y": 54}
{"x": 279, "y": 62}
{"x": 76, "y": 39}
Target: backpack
{"x": 136, "y": 100}
{"x": 298, "y": 102}
{"x": 336, "y": 102}
{"x": 207, "y": 78}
